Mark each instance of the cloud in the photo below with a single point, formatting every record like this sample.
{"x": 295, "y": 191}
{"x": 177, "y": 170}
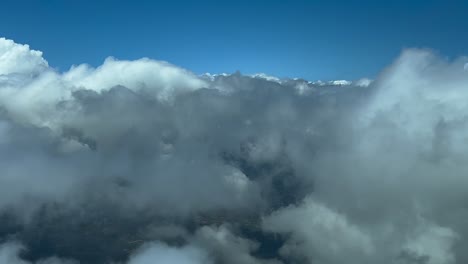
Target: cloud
{"x": 227, "y": 247}
{"x": 10, "y": 254}
{"x": 19, "y": 59}
{"x": 142, "y": 161}
{"x": 156, "y": 253}
{"x": 320, "y": 234}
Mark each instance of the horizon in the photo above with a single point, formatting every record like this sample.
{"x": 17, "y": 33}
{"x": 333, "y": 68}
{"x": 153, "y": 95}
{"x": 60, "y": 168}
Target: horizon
{"x": 304, "y": 39}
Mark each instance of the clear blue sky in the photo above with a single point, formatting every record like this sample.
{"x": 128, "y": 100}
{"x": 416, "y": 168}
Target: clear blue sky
{"x": 309, "y": 39}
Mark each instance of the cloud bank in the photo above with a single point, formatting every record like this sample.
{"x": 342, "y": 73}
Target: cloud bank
{"x": 144, "y": 162}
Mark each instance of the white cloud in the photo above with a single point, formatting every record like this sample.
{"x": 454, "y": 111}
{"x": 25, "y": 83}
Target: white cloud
{"x": 19, "y": 59}
{"x": 31, "y": 90}
{"x": 156, "y": 78}
{"x": 364, "y": 82}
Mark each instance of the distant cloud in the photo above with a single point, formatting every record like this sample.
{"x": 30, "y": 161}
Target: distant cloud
{"x": 144, "y": 162}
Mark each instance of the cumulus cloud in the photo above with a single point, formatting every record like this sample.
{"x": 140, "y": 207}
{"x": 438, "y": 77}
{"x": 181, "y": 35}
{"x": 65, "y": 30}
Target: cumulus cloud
{"x": 145, "y": 162}
{"x": 19, "y": 59}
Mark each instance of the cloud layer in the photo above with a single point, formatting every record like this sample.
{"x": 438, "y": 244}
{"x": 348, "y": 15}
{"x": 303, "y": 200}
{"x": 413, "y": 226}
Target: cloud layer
{"x": 144, "y": 162}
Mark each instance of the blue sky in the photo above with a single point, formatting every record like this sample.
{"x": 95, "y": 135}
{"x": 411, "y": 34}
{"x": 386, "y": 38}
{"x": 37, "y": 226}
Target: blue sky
{"x": 308, "y": 39}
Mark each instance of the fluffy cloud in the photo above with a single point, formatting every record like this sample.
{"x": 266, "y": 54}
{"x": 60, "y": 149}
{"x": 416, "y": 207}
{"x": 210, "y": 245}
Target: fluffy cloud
{"x": 144, "y": 162}
{"x": 19, "y": 59}
{"x": 156, "y": 253}
{"x": 320, "y": 234}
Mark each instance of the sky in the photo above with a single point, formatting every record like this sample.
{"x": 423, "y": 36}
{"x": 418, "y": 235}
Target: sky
{"x": 309, "y": 39}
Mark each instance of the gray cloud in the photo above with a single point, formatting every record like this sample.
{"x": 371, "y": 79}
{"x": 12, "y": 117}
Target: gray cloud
{"x": 160, "y": 253}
